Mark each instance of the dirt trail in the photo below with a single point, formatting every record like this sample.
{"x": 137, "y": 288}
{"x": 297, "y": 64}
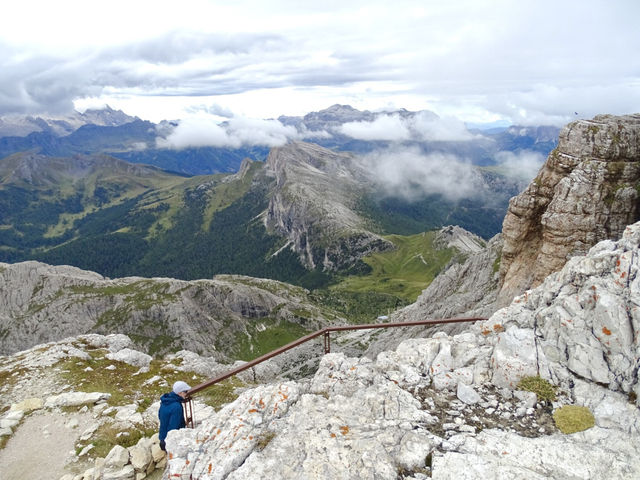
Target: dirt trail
{"x": 41, "y": 447}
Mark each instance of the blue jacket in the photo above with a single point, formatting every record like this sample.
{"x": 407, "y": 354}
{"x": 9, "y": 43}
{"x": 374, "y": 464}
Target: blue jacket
{"x": 170, "y": 414}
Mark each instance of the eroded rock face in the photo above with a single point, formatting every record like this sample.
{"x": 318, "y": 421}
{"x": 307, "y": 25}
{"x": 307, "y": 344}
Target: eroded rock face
{"x": 313, "y": 205}
{"x": 587, "y": 191}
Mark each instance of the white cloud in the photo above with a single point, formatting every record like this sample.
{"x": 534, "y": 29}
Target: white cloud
{"x": 418, "y": 126}
{"x": 385, "y": 127}
{"x": 204, "y": 130}
{"x": 446, "y": 129}
{"x": 523, "y": 165}
{"x": 407, "y": 173}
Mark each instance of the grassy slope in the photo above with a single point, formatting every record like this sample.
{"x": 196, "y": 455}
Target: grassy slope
{"x": 403, "y": 272}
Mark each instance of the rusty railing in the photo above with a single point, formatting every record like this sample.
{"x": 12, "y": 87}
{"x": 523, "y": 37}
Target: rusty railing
{"x": 326, "y": 333}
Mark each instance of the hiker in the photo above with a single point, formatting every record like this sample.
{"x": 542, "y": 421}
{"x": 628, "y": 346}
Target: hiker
{"x": 171, "y": 414}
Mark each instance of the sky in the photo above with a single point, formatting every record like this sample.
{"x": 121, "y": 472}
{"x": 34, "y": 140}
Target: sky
{"x": 526, "y": 62}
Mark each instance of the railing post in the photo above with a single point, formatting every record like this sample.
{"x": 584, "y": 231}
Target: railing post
{"x": 189, "y": 419}
{"x": 327, "y": 342}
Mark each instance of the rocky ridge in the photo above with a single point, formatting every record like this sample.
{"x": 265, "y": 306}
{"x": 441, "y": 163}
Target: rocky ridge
{"x": 314, "y": 205}
{"x": 450, "y": 406}
{"x": 586, "y": 191}
{"x": 42, "y": 303}
{"x": 22, "y": 125}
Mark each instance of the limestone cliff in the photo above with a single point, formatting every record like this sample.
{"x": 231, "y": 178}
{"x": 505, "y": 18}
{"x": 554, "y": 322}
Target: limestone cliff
{"x": 586, "y": 191}
{"x": 314, "y": 205}
{"x": 42, "y": 303}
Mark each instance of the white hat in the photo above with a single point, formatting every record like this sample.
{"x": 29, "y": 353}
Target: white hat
{"x": 180, "y": 387}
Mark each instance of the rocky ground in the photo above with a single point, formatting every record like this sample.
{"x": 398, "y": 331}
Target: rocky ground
{"x": 86, "y": 408}
{"x": 453, "y": 406}
{"x": 448, "y": 406}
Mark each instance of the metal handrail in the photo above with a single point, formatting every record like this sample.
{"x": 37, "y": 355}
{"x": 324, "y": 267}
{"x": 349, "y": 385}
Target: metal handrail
{"x": 327, "y": 348}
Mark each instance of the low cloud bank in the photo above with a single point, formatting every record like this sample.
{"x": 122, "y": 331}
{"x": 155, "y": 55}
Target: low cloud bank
{"x": 523, "y": 165}
{"x": 205, "y": 131}
{"x": 409, "y": 174}
{"x": 421, "y": 126}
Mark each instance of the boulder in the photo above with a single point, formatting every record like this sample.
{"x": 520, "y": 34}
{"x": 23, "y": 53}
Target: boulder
{"x": 140, "y": 457}
{"x": 125, "y": 473}
{"x": 467, "y": 394}
{"x": 131, "y": 357}
{"x": 117, "y": 458}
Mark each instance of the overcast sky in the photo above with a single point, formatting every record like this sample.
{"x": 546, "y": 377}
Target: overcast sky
{"x": 525, "y": 62}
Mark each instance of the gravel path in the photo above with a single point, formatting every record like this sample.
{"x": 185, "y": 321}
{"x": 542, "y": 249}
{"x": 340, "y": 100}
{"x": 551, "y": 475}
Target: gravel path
{"x": 41, "y": 447}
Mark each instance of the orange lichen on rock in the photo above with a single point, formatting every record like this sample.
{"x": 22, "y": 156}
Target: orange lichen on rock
{"x": 344, "y": 429}
{"x": 606, "y": 331}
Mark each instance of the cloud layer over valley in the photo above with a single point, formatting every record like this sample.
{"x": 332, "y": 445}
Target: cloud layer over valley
{"x": 422, "y": 126}
{"x": 409, "y": 174}
{"x": 205, "y": 130}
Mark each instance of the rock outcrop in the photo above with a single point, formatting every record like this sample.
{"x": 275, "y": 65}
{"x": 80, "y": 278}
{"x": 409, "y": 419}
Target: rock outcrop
{"x": 450, "y": 406}
{"x": 314, "y": 205}
{"x": 586, "y": 191}
{"x": 41, "y": 303}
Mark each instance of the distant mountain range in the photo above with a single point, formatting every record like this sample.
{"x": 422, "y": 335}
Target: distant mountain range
{"x": 338, "y": 127}
{"x": 23, "y": 125}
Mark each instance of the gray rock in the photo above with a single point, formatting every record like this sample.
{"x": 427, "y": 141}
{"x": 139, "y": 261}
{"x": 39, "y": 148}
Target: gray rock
{"x": 117, "y": 458}
{"x": 527, "y": 399}
{"x": 132, "y": 357}
{"x": 140, "y": 457}
{"x": 467, "y": 394}
{"x": 514, "y": 357}
{"x": 126, "y": 473}
{"x": 595, "y": 453}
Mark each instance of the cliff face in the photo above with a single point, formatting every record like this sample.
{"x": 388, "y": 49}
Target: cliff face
{"x": 587, "y": 191}
{"x": 314, "y": 206}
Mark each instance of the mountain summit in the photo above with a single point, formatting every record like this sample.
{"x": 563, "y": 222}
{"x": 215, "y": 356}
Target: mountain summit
{"x": 23, "y": 125}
